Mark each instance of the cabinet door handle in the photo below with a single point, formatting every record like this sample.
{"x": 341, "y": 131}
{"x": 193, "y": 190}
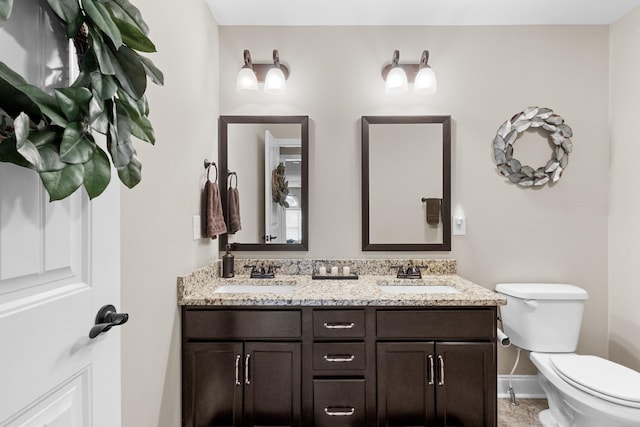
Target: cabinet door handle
{"x": 339, "y": 411}
{"x": 339, "y": 357}
{"x": 431, "y": 370}
{"x": 238, "y": 357}
{"x": 441, "y": 363}
{"x": 247, "y": 359}
{"x": 339, "y": 325}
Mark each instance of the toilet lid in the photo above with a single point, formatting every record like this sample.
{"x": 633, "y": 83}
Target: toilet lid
{"x": 599, "y": 377}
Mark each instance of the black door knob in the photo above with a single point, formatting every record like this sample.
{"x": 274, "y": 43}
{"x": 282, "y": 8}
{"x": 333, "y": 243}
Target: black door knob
{"x": 107, "y": 318}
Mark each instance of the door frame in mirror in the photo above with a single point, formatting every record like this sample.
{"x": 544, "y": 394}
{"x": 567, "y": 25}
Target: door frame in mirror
{"x": 223, "y": 134}
{"x": 446, "y": 183}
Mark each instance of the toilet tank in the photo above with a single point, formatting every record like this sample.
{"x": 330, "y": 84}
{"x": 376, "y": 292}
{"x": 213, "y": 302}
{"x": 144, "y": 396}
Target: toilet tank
{"x": 542, "y": 317}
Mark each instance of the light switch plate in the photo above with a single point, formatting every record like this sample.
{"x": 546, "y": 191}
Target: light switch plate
{"x": 197, "y": 234}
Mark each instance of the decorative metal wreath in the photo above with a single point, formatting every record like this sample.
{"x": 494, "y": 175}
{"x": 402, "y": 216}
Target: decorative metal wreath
{"x": 527, "y": 176}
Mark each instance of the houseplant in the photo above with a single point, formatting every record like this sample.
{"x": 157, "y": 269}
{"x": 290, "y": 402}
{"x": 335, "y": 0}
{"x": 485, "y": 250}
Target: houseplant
{"x": 54, "y": 133}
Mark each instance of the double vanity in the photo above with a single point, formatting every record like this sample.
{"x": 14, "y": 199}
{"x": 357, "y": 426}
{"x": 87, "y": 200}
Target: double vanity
{"x": 376, "y": 350}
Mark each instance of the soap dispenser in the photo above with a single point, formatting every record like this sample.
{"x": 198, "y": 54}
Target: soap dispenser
{"x": 227, "y": 263}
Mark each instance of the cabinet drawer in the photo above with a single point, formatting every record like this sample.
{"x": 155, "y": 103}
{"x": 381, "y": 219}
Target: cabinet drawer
{"x": 338, "y": 323}
{"x": 338, "y": 356}
{"x": 226, "y": 324}
{"x": 436, "y": 324}
{"x": 338, "y": 403}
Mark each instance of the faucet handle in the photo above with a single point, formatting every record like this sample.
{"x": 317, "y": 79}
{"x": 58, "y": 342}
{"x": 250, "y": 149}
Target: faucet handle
{"x": 273, "y": 267}
{"x": 398, "y": 268}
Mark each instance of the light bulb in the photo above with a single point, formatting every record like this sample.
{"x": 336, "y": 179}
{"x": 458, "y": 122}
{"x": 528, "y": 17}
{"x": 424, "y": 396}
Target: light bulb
{"x": 396, "y": 82}
{"x": 247, "y": 82}
{"x": 275, "y": 82}
{"x": 425, "y": 83}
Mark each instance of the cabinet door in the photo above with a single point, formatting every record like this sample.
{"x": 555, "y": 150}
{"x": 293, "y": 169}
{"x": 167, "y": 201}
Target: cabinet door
{"x": 466, "y": 384}
{"x": 273, "y": 384}
{"x": 212, "y": 385}
{"x": 405, "y": 389}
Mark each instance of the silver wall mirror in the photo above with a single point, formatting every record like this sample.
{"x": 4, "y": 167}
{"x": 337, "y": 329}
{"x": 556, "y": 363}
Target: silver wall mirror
{"x": 266, "y": 157}
{"x": 406, "y": 183}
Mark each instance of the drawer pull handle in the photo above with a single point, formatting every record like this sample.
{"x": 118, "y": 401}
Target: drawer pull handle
{"x": 339, "y": 412}
{"x": 431, "y": 370}
{"x": 238, "y": 357}
{"x": 247, "y": 360}
{"x": 441, "y": 363}
{"x": 339, "y": 325}
{"x": 339, "y": 357}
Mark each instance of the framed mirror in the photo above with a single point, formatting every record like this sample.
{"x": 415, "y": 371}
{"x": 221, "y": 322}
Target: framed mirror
{"x": 266, "y": 159}
{"x": 406, "y": 183}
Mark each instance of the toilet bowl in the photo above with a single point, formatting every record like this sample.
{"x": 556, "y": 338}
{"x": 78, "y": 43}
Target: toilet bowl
{"x": 587, "y": 391}
{"x": 583, "y": 391}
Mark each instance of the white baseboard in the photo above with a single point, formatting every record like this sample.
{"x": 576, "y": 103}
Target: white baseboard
{"x": 525, "y": 387}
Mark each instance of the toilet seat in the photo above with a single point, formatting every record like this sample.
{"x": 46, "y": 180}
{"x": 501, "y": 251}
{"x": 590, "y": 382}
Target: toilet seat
{"x": 599, "y": 377}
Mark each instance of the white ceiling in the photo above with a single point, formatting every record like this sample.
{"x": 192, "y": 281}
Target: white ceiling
{"x": 418, "y": 12}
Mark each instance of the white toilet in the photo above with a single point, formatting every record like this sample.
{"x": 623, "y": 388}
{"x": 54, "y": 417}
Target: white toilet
{"x": 583, "y": 391}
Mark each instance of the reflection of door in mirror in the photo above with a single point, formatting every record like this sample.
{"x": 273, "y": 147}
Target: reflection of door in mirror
{"x": 252, "y": 147}
{"x": 283, "y": 216}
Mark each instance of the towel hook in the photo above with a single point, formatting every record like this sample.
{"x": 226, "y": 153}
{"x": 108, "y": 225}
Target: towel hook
{"x": 207, "y": 166}
{"x": 230, "y": 176}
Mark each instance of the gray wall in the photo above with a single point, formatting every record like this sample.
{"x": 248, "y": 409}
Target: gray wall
{"x": 485, "y": 75}
{"x": 624, "y": 204}
{"x": 157, "y": 242}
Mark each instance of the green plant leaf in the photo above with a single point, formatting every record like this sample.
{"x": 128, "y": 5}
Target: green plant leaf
{"x": 69, "y": 12}
{"x": 50, "y": 158}
{"x": 9, "y": 153}
{"x": 25, "y": 147}
{"x": 75, "y": 147}
{"x": 44, "y": 103}
{"x": 129, "y": 71}
{"x": 119, "y": 145}
{"x": 46, "y": 136}
{"x": 12, "y": 100}
{"x": 125, "y": 11}
{"x": 97, "y": 116}
{"x": 73, "y": 101}
{"x": 139, "y": 126}
{"x": 97, "y": 173}
{"x": 62, "y": 183}
{"x": 104, "y": 86}
{"x": 5, "y": 10}
{"x": 133, "y": 37}
{"x": 131, "y": 174}
{"x": 100, "y": 16}
{"x": 102, "y": 54}
{"x": 152, "y": 71}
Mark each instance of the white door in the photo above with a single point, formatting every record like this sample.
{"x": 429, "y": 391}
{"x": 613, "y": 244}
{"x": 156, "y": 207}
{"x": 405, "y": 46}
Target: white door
{"x": 59, "y": 263}
{"x": 272, "y": 210}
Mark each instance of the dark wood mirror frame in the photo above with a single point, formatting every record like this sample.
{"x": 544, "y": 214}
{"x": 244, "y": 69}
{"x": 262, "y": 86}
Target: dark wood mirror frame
{"x": 223, "y": 129}
{"x": 367, "y": 121}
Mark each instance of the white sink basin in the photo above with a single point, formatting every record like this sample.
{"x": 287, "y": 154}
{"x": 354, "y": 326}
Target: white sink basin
{"x": 419, "y": 289}
{"x": 254, "y": 289}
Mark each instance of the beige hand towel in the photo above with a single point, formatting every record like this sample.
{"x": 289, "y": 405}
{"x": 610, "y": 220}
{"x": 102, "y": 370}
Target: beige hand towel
{"x": 234, "y": 210}
{"x": 212, "y": 211}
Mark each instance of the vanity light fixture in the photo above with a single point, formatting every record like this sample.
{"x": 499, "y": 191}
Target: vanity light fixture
{"x": 396, "y": 79}
{"x": 397, "y": 76}
{"x": 274, "y": 75}
{"x": 247, "y": 80}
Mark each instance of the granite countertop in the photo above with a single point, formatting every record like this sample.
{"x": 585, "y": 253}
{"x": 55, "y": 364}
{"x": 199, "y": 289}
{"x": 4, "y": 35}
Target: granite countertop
{"x": 365, "y": 291}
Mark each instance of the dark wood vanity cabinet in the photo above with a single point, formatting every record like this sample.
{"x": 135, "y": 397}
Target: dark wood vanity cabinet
{"x": 339, "y": 367}
{"x": 436, "y": 384}
{"x": 241, "y": 368}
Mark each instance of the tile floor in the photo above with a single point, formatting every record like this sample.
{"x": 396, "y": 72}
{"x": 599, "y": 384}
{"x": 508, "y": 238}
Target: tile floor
{"x": 523, "y": 415}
